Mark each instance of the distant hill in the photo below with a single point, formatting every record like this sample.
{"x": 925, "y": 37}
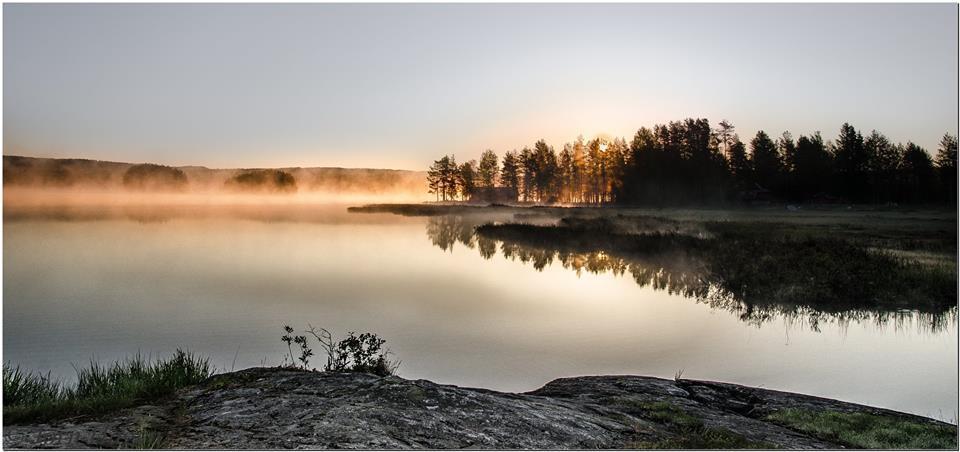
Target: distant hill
{"x": 102, "y": 175}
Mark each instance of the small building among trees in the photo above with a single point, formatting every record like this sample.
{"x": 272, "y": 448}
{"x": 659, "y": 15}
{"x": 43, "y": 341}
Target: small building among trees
{"x": 499, "y": 195}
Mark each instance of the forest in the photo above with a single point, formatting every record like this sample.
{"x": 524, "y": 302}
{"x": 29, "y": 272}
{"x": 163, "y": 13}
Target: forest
{"x": 688, "y": 162}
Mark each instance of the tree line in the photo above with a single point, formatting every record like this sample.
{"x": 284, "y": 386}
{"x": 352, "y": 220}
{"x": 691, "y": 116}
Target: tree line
{"x": 690, "y": 162}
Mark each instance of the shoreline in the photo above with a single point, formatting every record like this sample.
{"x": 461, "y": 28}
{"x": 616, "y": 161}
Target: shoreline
{"x": 281, "y": 407}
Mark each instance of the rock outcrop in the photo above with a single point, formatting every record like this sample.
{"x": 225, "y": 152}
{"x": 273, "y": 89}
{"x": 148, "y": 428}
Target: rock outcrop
{"x": 263, "y": 408}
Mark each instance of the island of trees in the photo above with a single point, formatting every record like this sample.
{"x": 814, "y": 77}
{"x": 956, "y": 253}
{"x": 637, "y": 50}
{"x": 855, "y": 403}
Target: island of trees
{"x": 690, "y": 162}
{"x": 262, "y": 180}
{"x": 151, "y": 177}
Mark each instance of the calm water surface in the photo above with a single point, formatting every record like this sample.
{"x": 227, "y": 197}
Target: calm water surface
{"x": 106, "y": 282}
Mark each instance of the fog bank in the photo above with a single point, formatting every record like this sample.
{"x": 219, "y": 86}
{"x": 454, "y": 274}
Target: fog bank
{"x": 28, "y": 180}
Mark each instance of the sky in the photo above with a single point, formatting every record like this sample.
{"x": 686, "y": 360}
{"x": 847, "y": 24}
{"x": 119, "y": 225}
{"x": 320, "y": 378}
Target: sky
{"x": 399, "y": 85}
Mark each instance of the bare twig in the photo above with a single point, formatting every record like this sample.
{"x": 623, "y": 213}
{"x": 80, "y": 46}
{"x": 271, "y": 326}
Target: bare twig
{"x": 326, "y": 341}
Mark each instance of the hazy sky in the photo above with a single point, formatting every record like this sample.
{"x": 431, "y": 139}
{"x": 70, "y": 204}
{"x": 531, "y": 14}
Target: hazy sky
{"x": 397, "y": 85}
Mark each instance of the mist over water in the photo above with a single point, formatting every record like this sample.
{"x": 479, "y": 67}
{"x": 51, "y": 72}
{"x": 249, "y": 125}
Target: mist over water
{"x": 92, "y": 281}
{"x": 29, "y": 198}
{"x": 32, "y": 181}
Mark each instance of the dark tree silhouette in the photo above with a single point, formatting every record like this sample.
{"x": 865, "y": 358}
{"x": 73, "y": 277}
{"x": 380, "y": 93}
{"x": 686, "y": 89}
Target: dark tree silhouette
{"x": 510, "y": 174}
{"x": 812, "y": 167}
{"x": 947, "y": 168}
{"x": 765, "y": 161}
{"x": 545, "y": 171}
{"x": 725, "y": 134}
{"x": 434, "y": 181}
{"x": 443, "y": 177}
{"x": 787, "y": 150}
{"x": 883, "y": 161}
{"x": 567, "y": 174}
{"x": 918, "y": 183}
{"x": 487, "y": 170}
{"x": 263, "y": 180}
{"x": 739, "y": 164}
{"x": 148, "y": 176}
{"x": 528, "y": 167}
{"x": 467, "y": 179}
{"x": 451, "y": 177}
{"x": 851, "y": 164}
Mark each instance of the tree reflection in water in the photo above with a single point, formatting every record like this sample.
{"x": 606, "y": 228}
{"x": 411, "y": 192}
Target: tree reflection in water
{"x": 679, "y": 272}
{"x": 446, "y": 230}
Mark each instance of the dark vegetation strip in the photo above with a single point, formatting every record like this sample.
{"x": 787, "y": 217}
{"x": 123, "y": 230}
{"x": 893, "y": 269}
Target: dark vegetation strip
{"x": 99, "y": 389}
{"x": 942, "y": 239}
{"x": 423, "y": 210}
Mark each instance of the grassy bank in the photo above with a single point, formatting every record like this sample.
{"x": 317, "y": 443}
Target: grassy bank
{"x": 99, "y": 389}
{"x": 868, "y": 431}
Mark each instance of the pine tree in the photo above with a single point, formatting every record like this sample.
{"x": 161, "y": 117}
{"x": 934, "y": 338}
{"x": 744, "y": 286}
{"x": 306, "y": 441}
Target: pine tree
{"x": 947, "y": 167}
{"x": 917, "y": 171}
{"x": 851, "y": 162}
{"x": 510, "y": 174}
{"x": 467, "y": 179}
{"x": 883, "y": 159}
{"x": 487, "y": 170}
{"x": 765, "y": 161}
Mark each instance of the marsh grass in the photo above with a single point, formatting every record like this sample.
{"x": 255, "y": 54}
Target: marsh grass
{"x": 869, "y": 431}
{"x": 824, "y": 273}
{"x": 99, "y": 389}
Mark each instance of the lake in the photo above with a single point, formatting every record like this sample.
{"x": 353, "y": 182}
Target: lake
{"x": 105, "y": 282}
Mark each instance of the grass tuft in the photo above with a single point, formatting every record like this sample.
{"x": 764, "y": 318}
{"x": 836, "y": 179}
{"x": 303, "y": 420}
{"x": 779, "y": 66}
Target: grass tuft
{"x": 23, "y": 388}
{"x": 665, "y": 413}
{"x": 99, "y": 389}
{"x": 148, "y": 437}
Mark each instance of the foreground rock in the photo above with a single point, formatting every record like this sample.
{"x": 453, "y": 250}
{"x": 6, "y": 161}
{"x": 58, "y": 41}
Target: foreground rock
{"x": 278, "y": 408}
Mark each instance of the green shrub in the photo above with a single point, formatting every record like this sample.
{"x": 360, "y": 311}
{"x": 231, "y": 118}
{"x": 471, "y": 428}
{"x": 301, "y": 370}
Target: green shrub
{"x": 356, "y": 353}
